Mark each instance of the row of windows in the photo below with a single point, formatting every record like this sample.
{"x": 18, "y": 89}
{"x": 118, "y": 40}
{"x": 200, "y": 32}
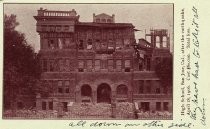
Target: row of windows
{"x": 49, "y": 105}
{"x": 69, "y": 43}
{"x": 145, "y": 106}
{"x": 55, "y": 28}
{"x": 147, "y": 87}
{"x": 67, "y": 65}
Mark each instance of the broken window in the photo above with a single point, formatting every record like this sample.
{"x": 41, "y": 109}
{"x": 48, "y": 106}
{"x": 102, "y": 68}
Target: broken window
{"x": 51, "y": 44}
{"x": 119, "y": 44}
{"x": 81, "y": 45}
{"x": 97, "y": 44}
{"x": 110, "y": 44}
{"x": 127, "y": 43}
{"x": 89, "y": 44}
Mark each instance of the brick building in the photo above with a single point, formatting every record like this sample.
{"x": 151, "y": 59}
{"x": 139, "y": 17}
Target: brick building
{"x": 96, "y": 62}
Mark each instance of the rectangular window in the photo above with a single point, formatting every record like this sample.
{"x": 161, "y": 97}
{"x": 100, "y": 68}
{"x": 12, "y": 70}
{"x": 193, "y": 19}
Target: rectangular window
{"x": 81, "y": 45}
{"x": 44, "y": 106}
{"x": 89, "y": 44}
{"x": 119, "y": 44}
{"x": 67, "y": 83}
{"x": 127, "y": 65}
{"x": 66, "y": 28}
{"x": 65, "y": 106}
{"x": 61, "y": 65}
{"x": 148, "y": 64}
{"x": 97, "y": 44}
{"x": 110, "y": 65}
{"x": 158, "y": 106}
{"x": 97, "y": 65}
{"x": 145, "y": 106}
{"x": 141, "y": 86}
{"x": 67, "y": 90}
{"x": 51, "y": 66}
{"x": 60, "y": 90}
{"x": 127, "y": 43}
{"x": 67, "y": 65}
{"x": 58, "y": 28}
{"x": 44, "y": 65}
{"x": 157, "y": 90}
{"x": 50, "y": 105}
{"x": 148, "y": 82}
{"x": 81, "y": 65}
{"x": 89, "y": 64}
{"x": 119, "y": 65}
{"x": 110, "y": 44}
{"x": 165, "y": 106}
{"x": 60, "y": 83}
{"x": 67, "y": 43}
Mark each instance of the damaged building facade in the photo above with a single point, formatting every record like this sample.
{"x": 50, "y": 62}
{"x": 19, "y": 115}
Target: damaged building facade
{"x": 96, "y": 62}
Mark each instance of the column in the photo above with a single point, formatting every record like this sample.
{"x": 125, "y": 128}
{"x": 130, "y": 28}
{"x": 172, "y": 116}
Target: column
{"x": 78, "y": 96}
{"x": 130, "y": 96}
{"x": 94, "y": 96}
{"x": 152, "y": 106}
{"x": 113, "y": 97}
{"x": 55, "y": 104}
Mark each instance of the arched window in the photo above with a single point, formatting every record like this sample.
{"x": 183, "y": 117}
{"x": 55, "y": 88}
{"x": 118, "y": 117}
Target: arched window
{"x": 122, "y": 90}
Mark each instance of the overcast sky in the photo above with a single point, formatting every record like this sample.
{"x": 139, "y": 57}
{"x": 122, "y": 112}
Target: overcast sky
{"x": 142, "y": 16}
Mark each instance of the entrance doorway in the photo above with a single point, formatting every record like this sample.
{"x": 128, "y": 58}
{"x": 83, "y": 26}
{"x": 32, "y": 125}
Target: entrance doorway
{"x": 104, "y": 93}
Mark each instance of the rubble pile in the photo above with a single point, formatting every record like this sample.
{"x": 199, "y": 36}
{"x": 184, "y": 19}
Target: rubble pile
{"x": 30, "y": 114}
{"x": 157, "y": 114}
{"x": 90, "y": 110}
{"x": 124, "y": 110}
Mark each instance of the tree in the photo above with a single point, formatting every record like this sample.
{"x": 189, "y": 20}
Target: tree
{"x": 21, "y": 64}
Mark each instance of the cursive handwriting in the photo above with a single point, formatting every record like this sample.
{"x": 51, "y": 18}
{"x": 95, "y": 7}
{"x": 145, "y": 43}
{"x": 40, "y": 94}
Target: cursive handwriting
{"x": 180, "y": 125}
{"x": 201, "y": 110}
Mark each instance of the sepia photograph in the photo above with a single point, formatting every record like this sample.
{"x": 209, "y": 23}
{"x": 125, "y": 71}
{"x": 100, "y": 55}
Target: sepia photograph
{"x": 88, "y": 61}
